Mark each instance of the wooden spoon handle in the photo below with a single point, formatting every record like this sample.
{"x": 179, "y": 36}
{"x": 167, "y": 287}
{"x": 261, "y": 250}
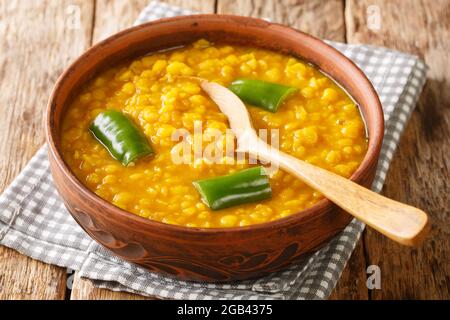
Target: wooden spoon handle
{"x": 400, "y": 222}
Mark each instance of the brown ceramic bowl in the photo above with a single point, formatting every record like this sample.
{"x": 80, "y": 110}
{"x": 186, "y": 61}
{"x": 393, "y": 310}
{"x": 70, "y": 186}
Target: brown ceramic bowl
{"x": 208, "y": 254}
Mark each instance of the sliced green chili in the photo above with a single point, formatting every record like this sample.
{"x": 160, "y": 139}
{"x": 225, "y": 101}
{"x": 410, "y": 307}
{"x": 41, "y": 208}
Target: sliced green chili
{"x": 245, "y": 186}
{"x": 266, "y": 95}
{"x": 120, "y": 137}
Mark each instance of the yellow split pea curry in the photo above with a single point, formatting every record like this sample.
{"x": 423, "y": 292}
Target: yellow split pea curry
{"x": 318, "y": 122}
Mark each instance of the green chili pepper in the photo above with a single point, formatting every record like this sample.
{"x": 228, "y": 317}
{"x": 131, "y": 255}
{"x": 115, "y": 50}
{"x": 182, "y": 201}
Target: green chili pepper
{"x": 120, "y": 137}
{"x": 245, "y": 186}
{"x": 266, "y": 95}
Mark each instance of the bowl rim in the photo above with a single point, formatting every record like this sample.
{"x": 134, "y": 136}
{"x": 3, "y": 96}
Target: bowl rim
{"x": 370, "y": 158}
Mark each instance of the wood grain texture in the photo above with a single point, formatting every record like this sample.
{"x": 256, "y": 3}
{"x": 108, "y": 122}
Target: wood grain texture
{"x": 125, "y": 13}
{"x": 419, "y": 174}
{"x": 24, "y": 278}
{"x": 112, "y": 16}
{"x": 37, "y": 40}
{"x": 323, "y": 19}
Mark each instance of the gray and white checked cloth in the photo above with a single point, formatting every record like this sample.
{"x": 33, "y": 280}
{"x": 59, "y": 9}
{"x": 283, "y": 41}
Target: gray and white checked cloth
{"x": 34, "y": 221}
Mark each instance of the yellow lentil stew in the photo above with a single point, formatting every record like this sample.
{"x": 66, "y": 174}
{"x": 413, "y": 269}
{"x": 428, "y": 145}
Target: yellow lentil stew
{"x": 319, "y": 124}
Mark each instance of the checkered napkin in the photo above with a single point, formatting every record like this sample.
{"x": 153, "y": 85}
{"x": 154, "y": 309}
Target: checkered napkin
{"x": 34, "y": 221}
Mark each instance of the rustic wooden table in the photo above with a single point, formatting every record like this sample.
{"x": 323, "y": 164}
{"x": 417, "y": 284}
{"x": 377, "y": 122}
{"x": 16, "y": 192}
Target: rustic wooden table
{"x": 38, "y": 39}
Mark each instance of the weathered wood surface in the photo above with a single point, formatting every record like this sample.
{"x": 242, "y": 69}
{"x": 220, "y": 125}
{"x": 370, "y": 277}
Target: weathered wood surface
{"x": 111, "y": 16}
{"x": 324, "y": 19}
{"x": 419, "y": 174}
{"x": 38, "y": 39}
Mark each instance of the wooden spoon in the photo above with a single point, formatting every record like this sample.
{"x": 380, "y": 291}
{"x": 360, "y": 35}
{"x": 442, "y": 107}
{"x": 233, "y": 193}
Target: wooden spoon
{"x": 402, "y": 223}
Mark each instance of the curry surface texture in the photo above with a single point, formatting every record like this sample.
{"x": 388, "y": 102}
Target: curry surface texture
{"x": 319, "y": 124}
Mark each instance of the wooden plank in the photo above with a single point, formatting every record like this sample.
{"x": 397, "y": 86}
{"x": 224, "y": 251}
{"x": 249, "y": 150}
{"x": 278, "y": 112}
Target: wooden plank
{"x": 24, "y": 278}
{"x": 111, "y": 17}
{"x": 37, "y": 40}
{"x": 419, "y": 174}
{"x": 324, "y": 20}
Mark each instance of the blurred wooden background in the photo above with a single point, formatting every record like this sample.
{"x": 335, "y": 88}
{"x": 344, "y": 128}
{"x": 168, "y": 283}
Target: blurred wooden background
{"x": 38, "y": 40}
